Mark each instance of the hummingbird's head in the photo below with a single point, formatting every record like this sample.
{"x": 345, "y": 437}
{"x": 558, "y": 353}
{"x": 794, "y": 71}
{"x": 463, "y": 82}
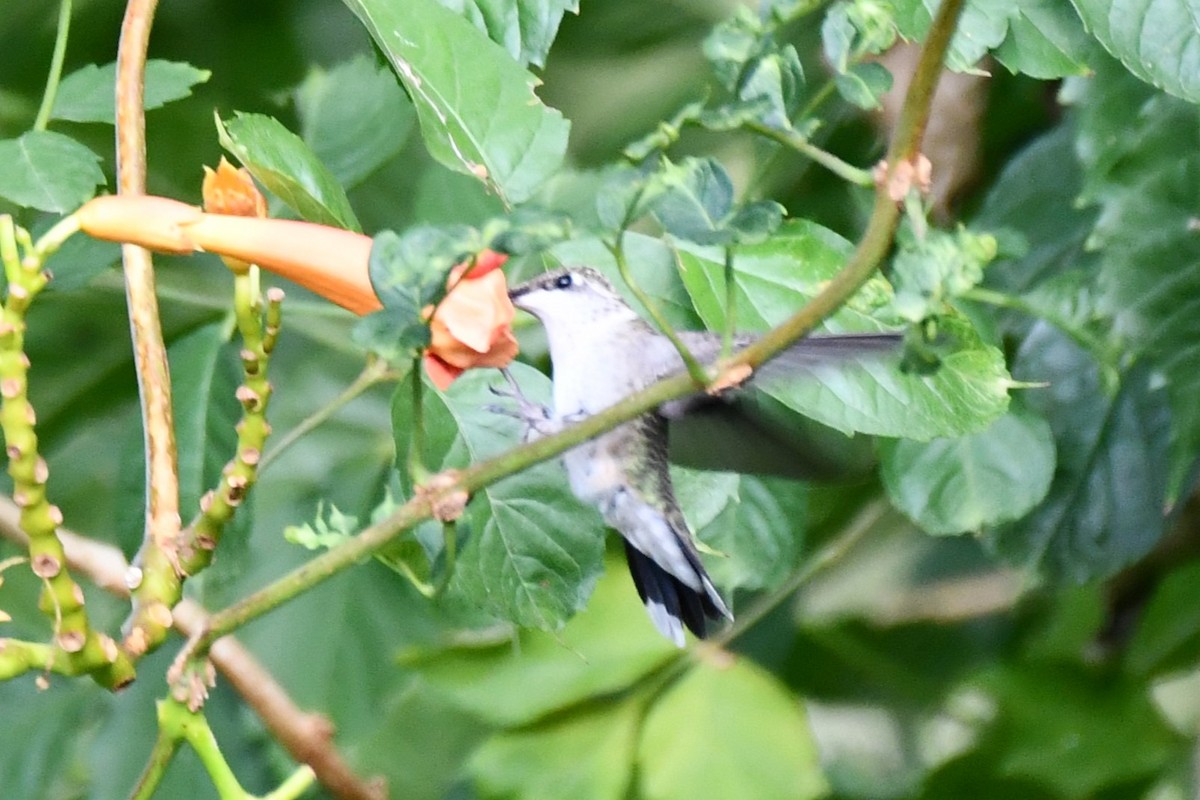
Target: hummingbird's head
{"x": 571, "y": 296}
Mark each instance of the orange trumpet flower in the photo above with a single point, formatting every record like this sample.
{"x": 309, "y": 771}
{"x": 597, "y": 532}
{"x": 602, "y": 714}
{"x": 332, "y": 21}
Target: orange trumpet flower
{"x": 470, "y": 328}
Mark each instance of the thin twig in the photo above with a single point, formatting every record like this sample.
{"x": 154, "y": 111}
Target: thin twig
{"x": 50, "y": 93}
{"x": 799, "y": 143}
{"x": 157, "y": 556}
{"x": 864, "y": 521}
{"x": 376, "y": 371}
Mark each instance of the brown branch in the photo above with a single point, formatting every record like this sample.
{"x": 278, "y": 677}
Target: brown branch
{"x": 159, "y": 562}
{"x": 307, "y": 737}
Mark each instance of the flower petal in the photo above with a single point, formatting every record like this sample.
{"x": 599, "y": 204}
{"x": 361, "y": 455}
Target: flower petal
{"x": 156, "y": 223}
{"x": 329, "y": 261}
{"x": 441, "y": 373}
{"x": 229, "y": 190}
{"x": 475, "y": 309}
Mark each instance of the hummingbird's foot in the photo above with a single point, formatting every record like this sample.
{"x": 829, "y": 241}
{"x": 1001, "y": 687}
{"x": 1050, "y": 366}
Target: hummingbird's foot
{"x": 538, "y": 420}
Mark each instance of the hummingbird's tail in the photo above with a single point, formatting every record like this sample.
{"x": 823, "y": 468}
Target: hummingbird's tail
{"x": 671, "y": 603}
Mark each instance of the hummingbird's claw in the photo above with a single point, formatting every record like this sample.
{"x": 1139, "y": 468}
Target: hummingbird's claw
{"x": 538, "y": 420}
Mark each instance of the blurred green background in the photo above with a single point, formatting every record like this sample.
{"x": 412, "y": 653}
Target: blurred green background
{"x": 927, "y": 670}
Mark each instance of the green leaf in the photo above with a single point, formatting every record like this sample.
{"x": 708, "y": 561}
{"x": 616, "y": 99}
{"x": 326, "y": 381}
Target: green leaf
{"x": 534, "y": 552}
{"x": 981, "y": 27}
{"x": 930, "y": 271}
{"x": 754, "y": 222}
{"x": 864, "y": 85}
{"x": 756, "y": 524}
{"x": 852, "y": 29}
{"x": 526, "y": 231}
{"x": 959, "y": 485}
{"x": 765, "y": 77}
{"x": 732, "y": 44}
{"x": 476, "y": 106}
{"x": 329, "y": 528}
{"x": 584, "y": 755}
{"x": 1045, "y": 40}
{"x": 1039, "y": 37}
{"x": 525, "y": 28}
{"x": 283, "y": 163}
{"x": 776, "y": 81}
{"x": 1142, "y": 175}
{"x": 444, "y": 197}
{"x": 606, "y": 648}
{"x": 1155, "y": 306}
{"x": 697, "y": 196}
{"x": 1159, "y": 42}
{"x": 1167, "y": 637}
{"x": 837, "y": 35}
{"x": 775, "y": 278}
{"x": 626, "y": 192}
{"x": 50, "y": 757}
{"x": 1124, "y": 128}
{"x": 730, "y": 731}
{"x": 1055, "y": 726}
{"x": 1104, "y": 509}
{"x": 694, "y": 201}
{"x": 409, "y": 270}
{"x": 355, "y": 117}
{"x": 48, "y": 171}
{"x": 1046, "y": 174}
{"x": 427, "y": 767}
{"x": 87, "y": 95}
{"x": 392, "y": 334}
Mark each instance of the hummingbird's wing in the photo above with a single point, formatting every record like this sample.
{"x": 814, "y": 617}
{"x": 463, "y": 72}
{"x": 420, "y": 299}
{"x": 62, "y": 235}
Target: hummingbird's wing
{"x": 748, "y": 431}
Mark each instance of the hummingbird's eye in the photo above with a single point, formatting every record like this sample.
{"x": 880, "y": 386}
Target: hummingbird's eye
{"x": 563, "y": 282}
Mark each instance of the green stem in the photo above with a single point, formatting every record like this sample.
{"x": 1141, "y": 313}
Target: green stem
{"x": 240, "y": 474}
{"x": 730, "y": 305}
{"x": 76, "y": 646}
{"x": 193, "y": 726}
{"x": 450, "y": 549}
{"x": 296, "y": 784}
{"x": 833, "y": 552}
{"x": 695, "y": 369}
{"x": 790, "y": 138}
{"x": 165, "y": 747}
{"x": 416, "y": 445}
{"x": 866, "y": 258}
{"x": 53, "y": 239}
{"x": 56, "y": 64}
{"x": 376, "y": 371}
{"x": 992, "y": 297}
{"x": 818, "y": 98}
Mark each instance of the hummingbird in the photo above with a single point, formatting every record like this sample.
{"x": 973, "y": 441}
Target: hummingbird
{"x": 602, "y": 351}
